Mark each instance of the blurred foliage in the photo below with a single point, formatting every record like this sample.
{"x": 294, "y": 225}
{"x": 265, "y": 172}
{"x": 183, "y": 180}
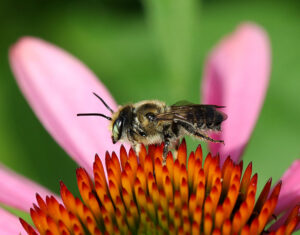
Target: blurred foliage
{"x": 159, "y": 49}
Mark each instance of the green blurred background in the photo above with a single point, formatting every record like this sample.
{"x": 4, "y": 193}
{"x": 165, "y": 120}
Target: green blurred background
{"x": 133, "y": 42}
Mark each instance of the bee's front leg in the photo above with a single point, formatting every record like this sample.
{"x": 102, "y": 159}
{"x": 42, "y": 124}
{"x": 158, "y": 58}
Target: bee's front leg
{"x": 137, "y": 148}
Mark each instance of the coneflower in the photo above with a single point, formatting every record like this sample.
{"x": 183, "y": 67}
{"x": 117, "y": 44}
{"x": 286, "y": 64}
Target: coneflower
{"x": 139, "y": 193}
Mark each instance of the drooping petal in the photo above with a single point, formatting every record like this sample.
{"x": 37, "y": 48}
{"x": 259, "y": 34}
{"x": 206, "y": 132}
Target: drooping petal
{"x": 17, "y": 191}
{"x": 290, "y": 191}
{"x": 297, "y": 227}
{"x": 236, "y": 76}
{"x": 57, "y": 87}
{"x": 289, "y": 195}
{"x": 286, "y": 217}
{"x": 9, "y": 224}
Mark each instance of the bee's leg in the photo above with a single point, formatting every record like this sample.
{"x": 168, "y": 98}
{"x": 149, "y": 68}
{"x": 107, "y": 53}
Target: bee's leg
{"x": 203, "y": 136}
{"x": 176, "y": 147}
{"x": 165, "y": 151}
{"x": 168, "y": 137}
{"x": 136, "y": 148}
{"x": 177, "y": 144}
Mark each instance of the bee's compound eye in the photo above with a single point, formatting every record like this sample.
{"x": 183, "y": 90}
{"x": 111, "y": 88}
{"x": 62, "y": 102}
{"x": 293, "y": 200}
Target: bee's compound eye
{"x": 150, "y": 116}
{"x": 117, "y": 129}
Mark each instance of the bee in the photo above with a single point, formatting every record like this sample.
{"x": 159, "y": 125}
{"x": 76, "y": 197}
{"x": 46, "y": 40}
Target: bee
{"x": 153, "y": 122}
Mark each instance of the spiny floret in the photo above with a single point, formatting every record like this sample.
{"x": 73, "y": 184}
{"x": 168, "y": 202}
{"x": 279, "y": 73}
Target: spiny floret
{"x": 141, "y": 195}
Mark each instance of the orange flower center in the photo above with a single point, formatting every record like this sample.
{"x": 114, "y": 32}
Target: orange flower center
{"x": 142, "y": 196}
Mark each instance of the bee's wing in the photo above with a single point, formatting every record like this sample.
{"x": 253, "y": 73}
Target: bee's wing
{"x": 198, "y": 115}
{"x": 183, "y": 103}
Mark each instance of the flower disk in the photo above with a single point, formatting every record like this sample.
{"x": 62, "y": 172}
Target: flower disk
{"x": 142, "y": 196}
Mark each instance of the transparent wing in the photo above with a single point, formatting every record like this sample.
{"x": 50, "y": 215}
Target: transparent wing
{"x": 183, "y": 103}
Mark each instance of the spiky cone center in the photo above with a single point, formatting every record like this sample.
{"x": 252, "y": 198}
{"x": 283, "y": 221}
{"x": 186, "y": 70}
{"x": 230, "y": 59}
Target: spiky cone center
{"x": 142, "y": 196}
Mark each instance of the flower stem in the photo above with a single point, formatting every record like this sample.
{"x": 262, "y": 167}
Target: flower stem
{"x": 174, "y": 25}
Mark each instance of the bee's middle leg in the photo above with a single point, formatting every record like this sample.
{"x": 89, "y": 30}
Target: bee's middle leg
{"x": 165, "y": 150}
{"x": 167, "y": 140}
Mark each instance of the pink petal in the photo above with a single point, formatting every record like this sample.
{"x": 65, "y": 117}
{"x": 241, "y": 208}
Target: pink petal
{"x": 9, "y": 224}
{"x": 237, "y": 75}
{"x": 289, "y": 195}
{"x": 17, "y": 191}
{"x": 290, "y": 191}
{"x": 280, "y": 221}
{"x": 57, "y": 87}
{"x": 298, "y": 226}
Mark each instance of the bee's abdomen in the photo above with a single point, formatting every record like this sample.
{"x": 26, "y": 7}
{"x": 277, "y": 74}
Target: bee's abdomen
{"x": 208, "y": 118}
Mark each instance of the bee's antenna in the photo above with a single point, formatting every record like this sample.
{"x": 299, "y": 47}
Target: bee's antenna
{"x": 105, "y": 104}
{"x": 94, "y": 114}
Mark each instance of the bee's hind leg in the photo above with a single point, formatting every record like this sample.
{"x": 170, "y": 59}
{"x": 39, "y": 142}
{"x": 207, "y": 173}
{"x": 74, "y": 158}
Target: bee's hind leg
{"x": 207, "y": 138}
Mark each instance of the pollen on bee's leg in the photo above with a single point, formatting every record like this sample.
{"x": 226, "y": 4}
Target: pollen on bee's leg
{"x": 141, "y": 195}
{"x": 137, "y": 149}
{"x": 164, "y": 161}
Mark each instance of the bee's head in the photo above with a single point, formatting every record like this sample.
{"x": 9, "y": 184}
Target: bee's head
{"x": 120, "y": 122}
